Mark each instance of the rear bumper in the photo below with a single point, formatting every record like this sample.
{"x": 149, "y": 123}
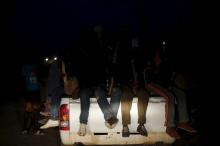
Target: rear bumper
{"x": 114, "y": 138}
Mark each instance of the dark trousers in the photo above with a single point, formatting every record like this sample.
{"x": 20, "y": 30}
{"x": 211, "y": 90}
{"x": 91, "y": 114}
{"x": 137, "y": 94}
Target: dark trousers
{"x": 31, "y": 120}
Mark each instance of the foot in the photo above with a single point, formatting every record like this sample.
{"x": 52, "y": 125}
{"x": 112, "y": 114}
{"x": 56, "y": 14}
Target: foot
{"x": 50, "y": 123}
{"x": 46, "y": 114}
{"x": 125, "y": 131}
{"x": 171, "y": 131}
{"x": 82, "y": 129}
{"x": 186, "y": 127}
{"x": 43, "y": 121}
{"x": 25, "y": 132}
{"x": 111, "y": 122}
{"x": 142, "y": 130}
{"x": 39, "y": 132}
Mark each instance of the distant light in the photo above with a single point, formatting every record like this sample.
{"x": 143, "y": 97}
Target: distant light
{"x": 164, "y": 42}
{"x": 46, "y": 59}
{"x": 55, "y": 58}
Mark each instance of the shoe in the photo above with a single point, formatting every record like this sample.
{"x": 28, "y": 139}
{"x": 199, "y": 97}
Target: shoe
{"x": 142, "y": 130}
{"x": 39, "y": 132}
{"x": 43, "y": 121}
{"x": 82, "y": 129}
{"x": 171, "y": 131}
{"x": 46, "y": 114}
{"x": 111, "y": 122}
{"x": 50, "y": 123}
{"x": 108, "y": 125}
{"x": 125, "y": 131}
{"x": 186, "y": 127}
{"x": 24, "y": 132}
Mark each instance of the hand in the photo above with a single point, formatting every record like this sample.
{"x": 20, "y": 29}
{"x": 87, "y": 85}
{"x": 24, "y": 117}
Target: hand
{"x": 108, "y": 94}
{"x": 135, "y": 84}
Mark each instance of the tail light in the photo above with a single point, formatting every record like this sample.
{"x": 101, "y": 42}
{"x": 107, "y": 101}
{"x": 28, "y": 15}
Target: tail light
{"x": 64, "y": 117}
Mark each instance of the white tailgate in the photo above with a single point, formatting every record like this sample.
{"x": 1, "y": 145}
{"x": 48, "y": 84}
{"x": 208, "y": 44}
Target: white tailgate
{"x": 98, "y": 133}
{"x": 155, "y": 117}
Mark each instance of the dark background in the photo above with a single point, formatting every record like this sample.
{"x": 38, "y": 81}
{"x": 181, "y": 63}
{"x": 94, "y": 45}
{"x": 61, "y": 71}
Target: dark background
{"x": 48, "y": 26}
{"x": 37, "y": 28}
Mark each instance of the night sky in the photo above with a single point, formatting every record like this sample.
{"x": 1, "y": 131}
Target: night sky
{"x": 53, "y": 25}
{"x": 46, "y": 27}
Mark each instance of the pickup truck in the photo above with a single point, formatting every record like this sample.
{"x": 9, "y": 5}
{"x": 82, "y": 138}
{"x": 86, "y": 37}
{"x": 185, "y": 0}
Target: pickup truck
{"x": 99, "y": 134}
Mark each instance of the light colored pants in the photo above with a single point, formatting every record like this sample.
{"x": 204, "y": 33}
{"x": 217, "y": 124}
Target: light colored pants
{"x": 126, "y": 103}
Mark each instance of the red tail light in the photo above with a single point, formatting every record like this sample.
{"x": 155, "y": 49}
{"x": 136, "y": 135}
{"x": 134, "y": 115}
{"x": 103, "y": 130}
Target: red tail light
{"x": 64, "y": 117}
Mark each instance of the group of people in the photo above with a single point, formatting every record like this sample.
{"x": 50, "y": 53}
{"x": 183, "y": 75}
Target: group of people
{"x": 32, "y": 99}
{"x": 119, "y": 72}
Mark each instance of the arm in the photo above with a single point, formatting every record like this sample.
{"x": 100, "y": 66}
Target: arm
{"x": 115, "y": 53}
{"x": 114, "y": 60}
{"x": 110, "y": 87}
